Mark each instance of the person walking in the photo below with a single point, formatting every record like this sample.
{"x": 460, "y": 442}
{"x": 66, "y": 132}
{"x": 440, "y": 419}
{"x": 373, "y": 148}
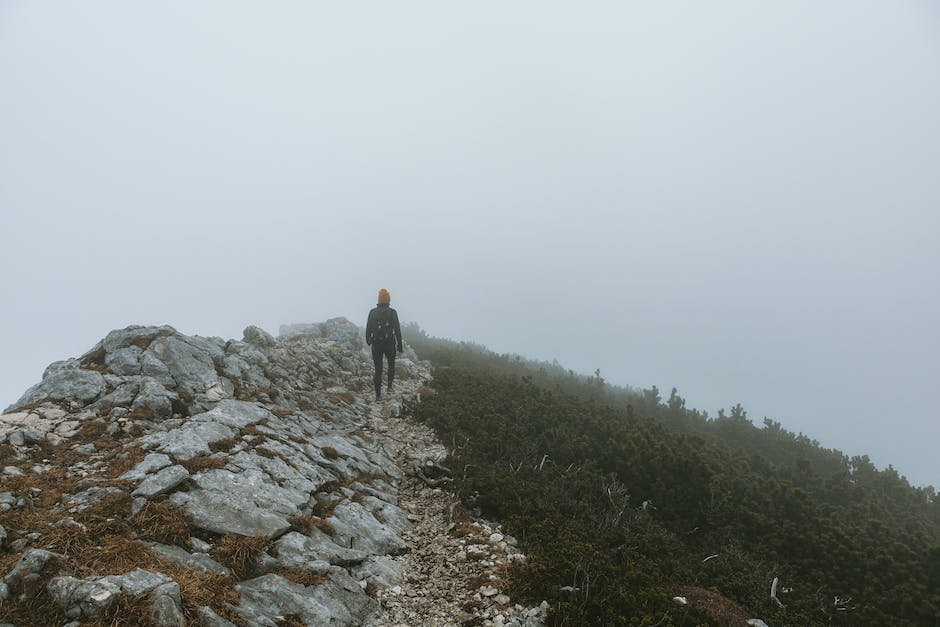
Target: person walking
{"x": 383, "y": 334}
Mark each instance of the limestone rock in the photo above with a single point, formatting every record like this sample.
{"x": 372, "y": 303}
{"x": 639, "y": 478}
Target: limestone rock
{"x": 190, "y": 560}
{"x": 65, "y": 384}
{"x": 218, "y": 513}
{"x": 152, "y": 462}
{"x": 330, "y": 603}
{"x": 124, "y": 361}
{"x": 311, "y": 551}
{"x": 258, "y": 337}
{"x": 161, "y": 482}
{"x": 27, "y": 568}
{"x": 356, "y": 527}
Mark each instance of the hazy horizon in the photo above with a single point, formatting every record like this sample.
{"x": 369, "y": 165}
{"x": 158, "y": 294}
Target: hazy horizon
{"x": 736, "y": 200}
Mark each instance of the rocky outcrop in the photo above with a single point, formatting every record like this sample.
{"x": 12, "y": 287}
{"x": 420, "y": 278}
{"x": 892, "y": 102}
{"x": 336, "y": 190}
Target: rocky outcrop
{"x": 255, "y": 466}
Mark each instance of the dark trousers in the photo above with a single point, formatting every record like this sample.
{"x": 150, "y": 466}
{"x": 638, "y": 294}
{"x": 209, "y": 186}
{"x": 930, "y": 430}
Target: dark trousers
{"x": 378, "y": 352}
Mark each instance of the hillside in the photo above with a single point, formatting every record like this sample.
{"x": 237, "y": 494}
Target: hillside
{"x": 624, "y": 501}
{"x": 165, "y": 479}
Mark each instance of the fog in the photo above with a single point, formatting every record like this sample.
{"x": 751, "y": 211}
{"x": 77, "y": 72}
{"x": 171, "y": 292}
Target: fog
{"x": 737, "y": 199}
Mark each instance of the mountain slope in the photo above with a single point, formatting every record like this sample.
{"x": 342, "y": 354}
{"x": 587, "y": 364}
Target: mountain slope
{"x": 623, "y": 502}
{"x": 162, "y": 479}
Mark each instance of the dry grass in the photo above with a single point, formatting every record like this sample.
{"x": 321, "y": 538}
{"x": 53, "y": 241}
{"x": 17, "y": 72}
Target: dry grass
{"x": 253, "y": 432}
{"x": 36, "y": 607}
{"x": 126, "y": 611}
{"x": 221, "y": 445}
{"x": 240, "y": 553}
{"x": 119, "y": 465}
{"x": 463, "y": 529}
{"x": 331, "y": 486}
{"x": 325, "y": 508}
{"x": 115, "y": 555}
{"x": 162, "y": 522}
{"x": 199, "y": 588}
{"x": 359, "y": 433}
{"x": 301, "y": 576}
{"x": 198, "y": 464}
{"x": 307, "y": 522}
{"x": 346, "y": 398}
{"x": 94, "y": 360}
{"x": 269, "y": 453}
{"x": 330, "y": 453}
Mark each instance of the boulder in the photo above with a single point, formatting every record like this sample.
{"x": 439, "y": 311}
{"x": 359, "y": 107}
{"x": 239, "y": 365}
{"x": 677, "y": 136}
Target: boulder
{"x": 198, "y": 561}
{"x": 137, "y": 336}
{"x": 258, "y": 337}
{"x": 151, "y": 463}
{"x": 219, "y": 513}
{"x": 89, "y": 597}
{"x": 331, "y": 603}
{"x": 355, "y": 527}
{"x": 311, "y": 551}
{"x": 154, "y": 399}
{"x": 161, "y": 482}
{"x": 64, "y": 384}
{"x": 124, "y": 361}
{"x": 190, "y": 365}
{"x": 27, "y": 568}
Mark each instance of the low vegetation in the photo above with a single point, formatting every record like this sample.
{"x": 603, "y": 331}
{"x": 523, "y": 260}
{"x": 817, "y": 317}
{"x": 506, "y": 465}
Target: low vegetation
{"x": 623, "y": 501}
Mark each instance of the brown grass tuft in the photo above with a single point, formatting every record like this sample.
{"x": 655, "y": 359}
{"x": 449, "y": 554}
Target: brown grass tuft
{"x": 325, "y": 508}
{"x": 94, "y": 360}
{"x": 221, "y": 445}
{"x": 35, "y": 607}
{"x": 307, "y": 522}
{"x": 119, "y": 465}
{"x": 301, "y": 576}
{"x": 199, "y": 588}
{"x": 463, "y": 529}
{"x": 253, "y": 430}
{"x": 240, "y": 553}
{"x": 162, "y": 522}
{"x": 269, "y": 453}
{"x": 330, "y": 453}
{"x": 359, "y": 433}
{"x": 198, "y": 464}
{"x": 126, "y": 611}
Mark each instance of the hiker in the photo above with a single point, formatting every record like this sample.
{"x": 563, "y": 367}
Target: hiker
{"x": 383, "y": 334}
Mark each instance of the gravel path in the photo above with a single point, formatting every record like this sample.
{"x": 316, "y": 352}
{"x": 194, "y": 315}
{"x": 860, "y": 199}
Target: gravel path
{"x": 453, "y": 568}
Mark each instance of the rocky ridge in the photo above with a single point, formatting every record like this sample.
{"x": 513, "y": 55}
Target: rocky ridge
{"x": 193, "y": 480}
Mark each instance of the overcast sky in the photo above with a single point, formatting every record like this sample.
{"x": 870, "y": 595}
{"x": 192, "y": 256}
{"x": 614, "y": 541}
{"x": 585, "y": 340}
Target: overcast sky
{"x": 739, "y": 199}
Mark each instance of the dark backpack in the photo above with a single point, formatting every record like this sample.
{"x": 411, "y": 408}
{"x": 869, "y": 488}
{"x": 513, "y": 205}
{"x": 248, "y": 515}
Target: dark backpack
{"x": 384, "y": 329}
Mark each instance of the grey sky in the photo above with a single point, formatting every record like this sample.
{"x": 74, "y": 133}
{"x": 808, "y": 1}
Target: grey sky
{"x": 736, "y": 198}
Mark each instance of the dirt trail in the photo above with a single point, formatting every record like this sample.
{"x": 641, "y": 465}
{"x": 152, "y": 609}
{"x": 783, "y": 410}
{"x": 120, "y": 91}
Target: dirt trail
{"x": 452, "y": 571}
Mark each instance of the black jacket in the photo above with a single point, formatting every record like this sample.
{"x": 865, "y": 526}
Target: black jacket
{"x": 373, "y": 320}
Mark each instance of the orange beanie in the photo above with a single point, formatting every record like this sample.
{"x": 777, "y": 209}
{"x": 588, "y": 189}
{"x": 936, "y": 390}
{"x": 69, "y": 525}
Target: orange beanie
{"x": 384, "y": 296}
